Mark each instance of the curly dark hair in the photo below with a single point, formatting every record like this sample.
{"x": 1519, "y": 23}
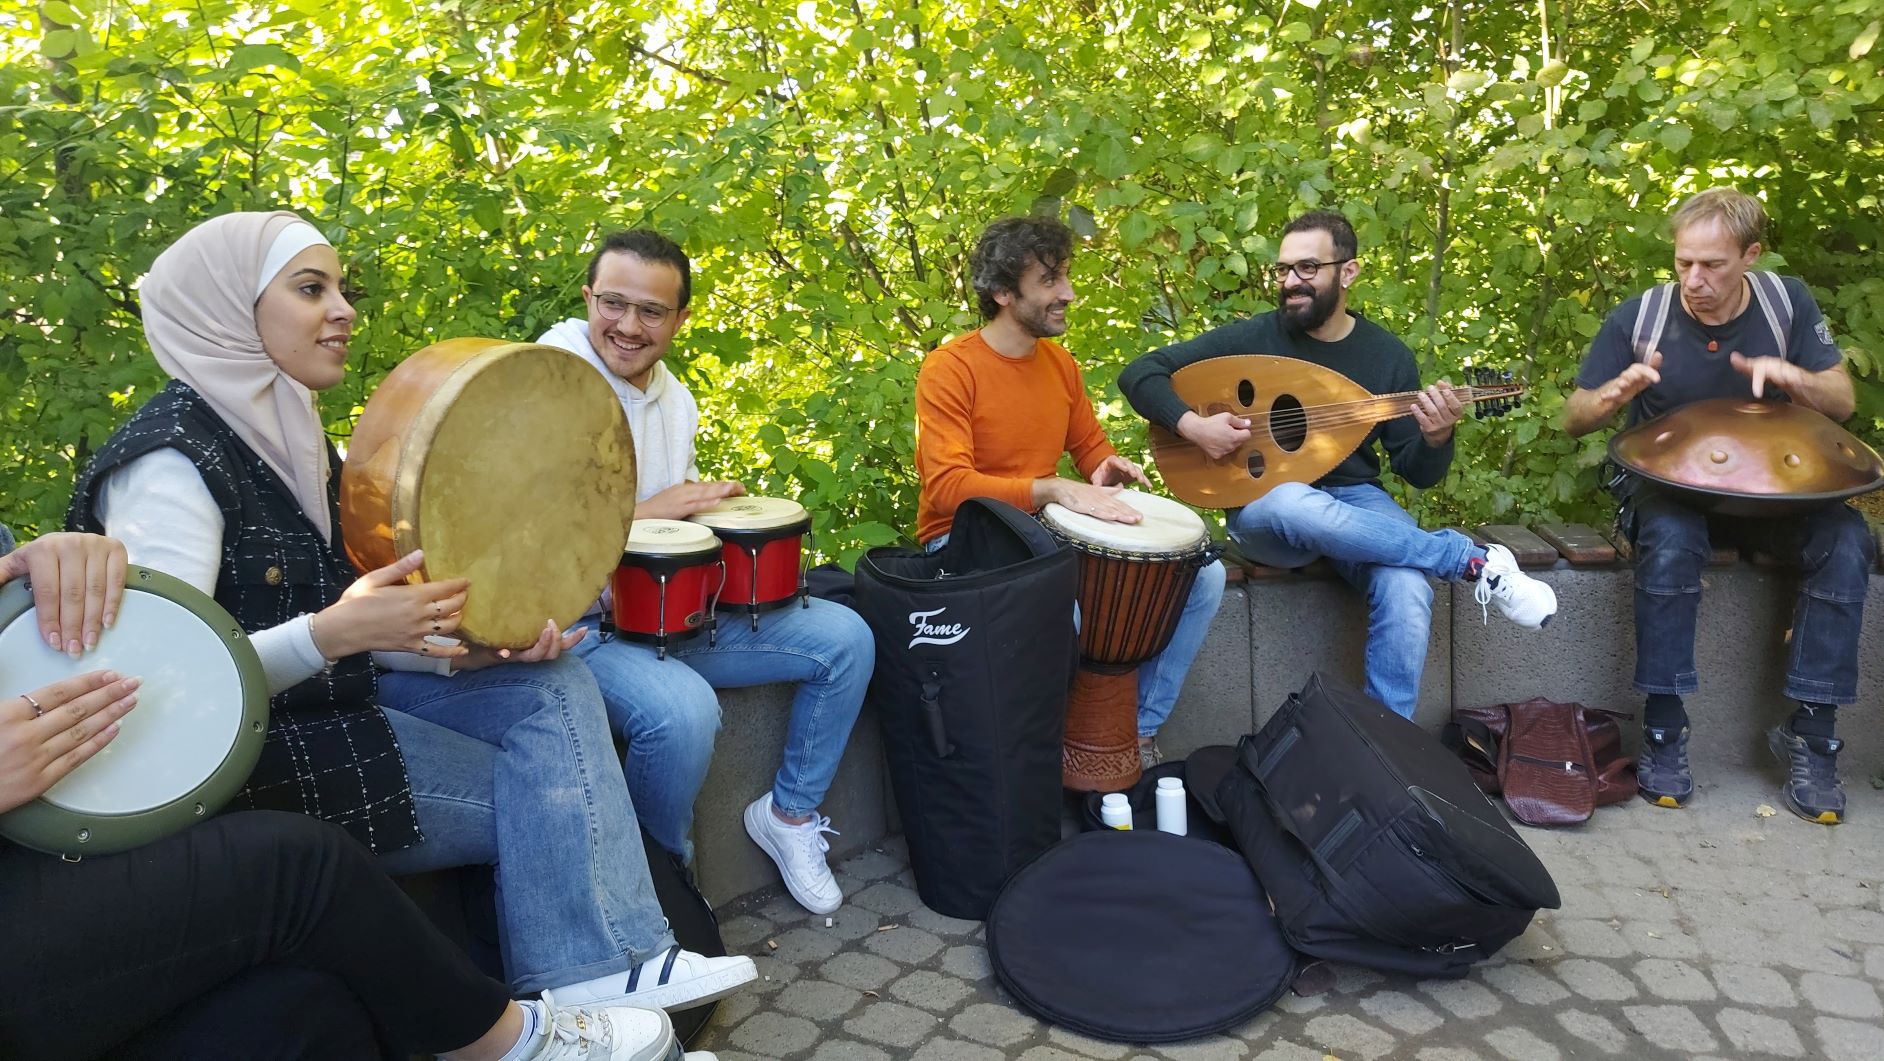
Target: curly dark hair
{"x": 1008, "y": 248}
{"x": 649, "y": 246}
{"x": 1331, "y": 222}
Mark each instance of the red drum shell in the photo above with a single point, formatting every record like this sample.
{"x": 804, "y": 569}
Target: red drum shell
{"x": 691, "y": 580}
{"x": 774, "y": 556}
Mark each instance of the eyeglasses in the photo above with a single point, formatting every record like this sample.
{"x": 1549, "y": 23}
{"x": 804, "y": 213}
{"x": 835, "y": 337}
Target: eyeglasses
{"x": 651, "y": 314}
{"x": 1307, "y": 268}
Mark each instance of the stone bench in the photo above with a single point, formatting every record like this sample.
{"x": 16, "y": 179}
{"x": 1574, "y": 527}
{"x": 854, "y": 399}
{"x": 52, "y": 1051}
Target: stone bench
{"x": 1276, "y": 626}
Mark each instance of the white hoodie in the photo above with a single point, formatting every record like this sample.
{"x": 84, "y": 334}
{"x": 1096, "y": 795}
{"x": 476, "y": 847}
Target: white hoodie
{"x": 662, "y": 418}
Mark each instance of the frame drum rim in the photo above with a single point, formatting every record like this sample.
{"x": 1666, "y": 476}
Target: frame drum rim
{"x": 46, "y": 826}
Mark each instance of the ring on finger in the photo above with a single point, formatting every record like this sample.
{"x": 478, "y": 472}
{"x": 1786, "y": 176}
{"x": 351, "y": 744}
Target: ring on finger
{"x": 37, "y": 710}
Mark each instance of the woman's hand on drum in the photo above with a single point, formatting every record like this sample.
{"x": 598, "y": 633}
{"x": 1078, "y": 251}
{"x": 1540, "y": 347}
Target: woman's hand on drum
{"x": 381, "y": 612}
{"x": 684, "y": 499}
{"x": 47, "y": 733}
{"x": 78, "y": 582}
{"x": 1098, "y": 501}
{"x": 549, "y": 644}
{"x": 1117, "y": 471}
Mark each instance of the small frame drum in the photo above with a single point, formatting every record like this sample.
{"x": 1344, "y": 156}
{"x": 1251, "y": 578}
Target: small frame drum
{"x": 180, "y": 755}
{"x": 1134, "y": 579}
{"x": 764, "y": 550}
{"x": 669, "y": 580}
{"x": 510, "y": 464}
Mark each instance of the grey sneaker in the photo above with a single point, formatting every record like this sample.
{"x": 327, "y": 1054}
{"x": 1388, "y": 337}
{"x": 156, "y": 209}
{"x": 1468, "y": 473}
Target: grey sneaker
{"x": 1661, "y": 771}
{"x": 1149, "y": 754}
{"x": 1811, "y": 790}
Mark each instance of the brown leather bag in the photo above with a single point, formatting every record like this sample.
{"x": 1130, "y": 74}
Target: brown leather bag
{"x": 1554, "y": 763}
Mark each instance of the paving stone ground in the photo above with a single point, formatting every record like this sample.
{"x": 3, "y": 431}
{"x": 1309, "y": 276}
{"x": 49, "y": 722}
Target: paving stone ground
{"x": 1709, "y": 932}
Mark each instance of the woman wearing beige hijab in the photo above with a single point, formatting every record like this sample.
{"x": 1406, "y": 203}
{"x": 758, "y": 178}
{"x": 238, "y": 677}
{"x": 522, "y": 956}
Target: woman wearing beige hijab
{"x": 226, "y": 480}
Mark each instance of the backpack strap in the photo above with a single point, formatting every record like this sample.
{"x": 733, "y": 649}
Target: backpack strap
{"x": 1775, "y": 303}
{"x": 1651, "y": 319}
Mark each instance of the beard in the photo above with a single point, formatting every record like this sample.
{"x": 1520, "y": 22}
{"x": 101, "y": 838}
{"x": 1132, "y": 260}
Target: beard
{"x": 1037, "y": 322}
{"x": 1320, "y": 307}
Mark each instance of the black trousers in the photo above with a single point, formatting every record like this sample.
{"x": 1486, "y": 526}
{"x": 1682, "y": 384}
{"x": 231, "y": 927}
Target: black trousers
{"x": 256, "y": 935}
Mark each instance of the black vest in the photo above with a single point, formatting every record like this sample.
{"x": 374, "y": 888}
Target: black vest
{"x": 330, "y": 753}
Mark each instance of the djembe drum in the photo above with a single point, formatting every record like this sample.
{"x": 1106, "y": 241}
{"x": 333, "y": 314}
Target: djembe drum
{"x": 1134, "y": 580}
{"x": 511, "y": 465}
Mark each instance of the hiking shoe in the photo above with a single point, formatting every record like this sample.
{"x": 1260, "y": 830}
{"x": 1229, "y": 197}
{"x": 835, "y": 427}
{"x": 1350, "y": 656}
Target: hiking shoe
{"x": 616, "y": 1033}
{"x": 1811, "y": 790}
{"x": 799, "y": 851}
{"x": 1519, "y": 597}
{"x": 1149, "y": 754}
{"x": 673, "y": 979}
{"x": 1661, "y": 771}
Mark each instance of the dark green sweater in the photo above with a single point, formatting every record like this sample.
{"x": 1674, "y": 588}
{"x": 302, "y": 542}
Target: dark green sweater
{"x": 1370, "y": 356}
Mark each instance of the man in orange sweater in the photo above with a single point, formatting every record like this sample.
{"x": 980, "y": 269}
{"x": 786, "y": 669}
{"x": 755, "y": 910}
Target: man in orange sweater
{"x": 995, "y": 410}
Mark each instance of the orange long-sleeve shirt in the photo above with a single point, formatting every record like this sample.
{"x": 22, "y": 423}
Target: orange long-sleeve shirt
{"x": 988, "y": 426}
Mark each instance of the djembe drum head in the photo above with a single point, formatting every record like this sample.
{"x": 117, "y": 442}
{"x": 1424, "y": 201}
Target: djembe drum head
{"x": 511, "y": 465}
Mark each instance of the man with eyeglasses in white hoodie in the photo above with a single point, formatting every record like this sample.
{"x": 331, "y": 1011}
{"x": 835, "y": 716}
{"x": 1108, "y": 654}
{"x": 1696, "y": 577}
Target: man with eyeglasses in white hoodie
{"x": 640, "y": 283}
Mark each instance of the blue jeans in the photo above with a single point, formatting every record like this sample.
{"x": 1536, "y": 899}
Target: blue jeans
{"x": 1372, "y": 543}
{"x": 668, "y": 714}
{"x": 1834, "y": 549}
{"x": 1161, "y": 678}
{"x": 513, "y": 765}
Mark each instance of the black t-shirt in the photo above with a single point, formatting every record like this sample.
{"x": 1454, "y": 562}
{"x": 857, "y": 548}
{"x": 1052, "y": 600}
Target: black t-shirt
{"x": 1689, "y": 372}
{"x": 1369, "y": 355}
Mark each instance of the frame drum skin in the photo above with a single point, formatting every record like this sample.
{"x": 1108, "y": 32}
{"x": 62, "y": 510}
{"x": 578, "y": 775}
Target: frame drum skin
{"x": 182, "y": 753}
{"x": 511, "y": 465}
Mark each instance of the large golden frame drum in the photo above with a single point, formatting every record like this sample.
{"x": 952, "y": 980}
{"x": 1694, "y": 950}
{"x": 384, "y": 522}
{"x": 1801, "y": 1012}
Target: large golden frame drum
{"x": 511, "y": 465}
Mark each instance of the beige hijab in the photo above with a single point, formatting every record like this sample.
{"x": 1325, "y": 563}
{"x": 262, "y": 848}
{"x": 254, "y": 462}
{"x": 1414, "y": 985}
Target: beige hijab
{"x": 199, "y": 318}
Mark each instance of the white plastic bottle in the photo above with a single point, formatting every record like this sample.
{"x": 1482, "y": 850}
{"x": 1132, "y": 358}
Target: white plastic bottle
{"x": 1115, "y": 810}
{"x": 1172, "y": 816}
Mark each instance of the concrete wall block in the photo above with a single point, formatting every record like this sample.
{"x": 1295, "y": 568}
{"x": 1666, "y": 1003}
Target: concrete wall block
{"x": 1299, "y": 625}
{"x": 1215, "y": 705}
{"x": 752, "y": 734}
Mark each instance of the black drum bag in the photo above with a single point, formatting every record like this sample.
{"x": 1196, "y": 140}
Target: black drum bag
{"x": 1373, "y": 841}
{"x": 1139, "y": 937}
{"x": 975, "y": 651}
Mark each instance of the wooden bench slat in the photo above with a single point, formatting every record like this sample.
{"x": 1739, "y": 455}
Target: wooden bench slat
{"x": 1530, "y": 550}
{"x": 1579, "y": 543}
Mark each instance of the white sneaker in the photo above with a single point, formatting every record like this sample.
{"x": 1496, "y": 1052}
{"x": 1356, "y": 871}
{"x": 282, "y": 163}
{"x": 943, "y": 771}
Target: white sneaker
{"x": 1520, "y": 598}
{"x": 799, "y": 851}
{"x": 613, "y": 1034}
{"x": 674, "y": 979}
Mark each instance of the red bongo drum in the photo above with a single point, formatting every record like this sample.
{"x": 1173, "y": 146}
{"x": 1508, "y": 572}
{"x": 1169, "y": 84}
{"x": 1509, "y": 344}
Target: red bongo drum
{"x": 764, "y": 552}
{"x": 666, "y": 583}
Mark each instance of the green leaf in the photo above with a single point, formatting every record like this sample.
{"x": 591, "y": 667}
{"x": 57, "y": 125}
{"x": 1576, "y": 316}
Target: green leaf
{"x": 1675, "y": 137}
{"x": 1136, "y": 228}
{"x": 1862, "y": 43}
{"x": 1061, "y": 181}
{"x": 255, "y": 56}
{"x": 1080, "y": 220}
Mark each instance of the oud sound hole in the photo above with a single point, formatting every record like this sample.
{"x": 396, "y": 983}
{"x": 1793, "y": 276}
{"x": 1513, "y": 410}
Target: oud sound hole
{"x": 1246, "y": 393}
{"x": 1255, "y": 464}
{"x": 1288, "y": 423}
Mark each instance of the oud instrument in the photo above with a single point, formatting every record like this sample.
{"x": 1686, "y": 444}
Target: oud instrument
{"x": 1303, "y": 421}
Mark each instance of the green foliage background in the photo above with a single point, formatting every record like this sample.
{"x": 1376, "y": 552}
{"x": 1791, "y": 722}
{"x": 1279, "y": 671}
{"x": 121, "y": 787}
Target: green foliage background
{"x": 827, "y": 164}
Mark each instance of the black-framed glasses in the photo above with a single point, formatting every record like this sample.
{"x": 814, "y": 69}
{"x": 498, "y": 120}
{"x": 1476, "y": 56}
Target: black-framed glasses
{"x": 651, "y": 314}
{"x": 1307, "y": 268}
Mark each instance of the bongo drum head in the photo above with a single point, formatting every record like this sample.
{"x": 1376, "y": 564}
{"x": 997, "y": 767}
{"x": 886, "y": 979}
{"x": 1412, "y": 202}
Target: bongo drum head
{"x": 752, "y": 514}
{"x": 1168, "y": 526}
{"x": 670, "y": 537}
{"x": 182, "y": 753}
{"x": 511, "y": 465}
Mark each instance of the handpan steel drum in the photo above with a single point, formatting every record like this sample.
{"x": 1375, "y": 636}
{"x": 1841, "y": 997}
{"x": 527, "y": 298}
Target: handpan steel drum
{"x": 182, "y": 753}
{"x": 511, "y": 465}
{"x": 1749, "y": 458}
